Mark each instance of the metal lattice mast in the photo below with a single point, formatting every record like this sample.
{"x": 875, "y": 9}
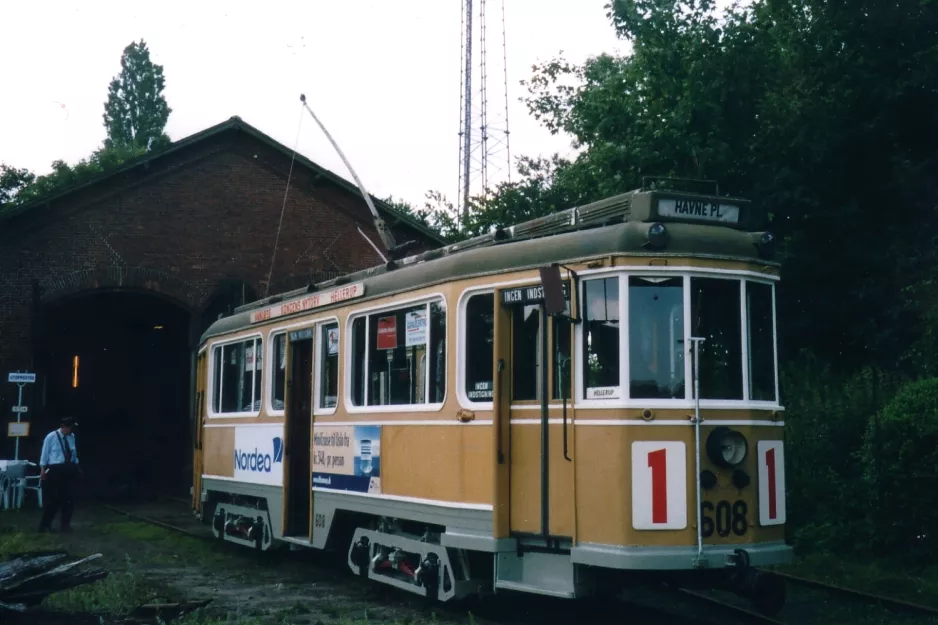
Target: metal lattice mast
{"x": 484, "y": 153}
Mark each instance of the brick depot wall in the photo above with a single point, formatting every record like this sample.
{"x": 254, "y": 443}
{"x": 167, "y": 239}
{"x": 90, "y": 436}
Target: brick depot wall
{"x": 181, "y": 232}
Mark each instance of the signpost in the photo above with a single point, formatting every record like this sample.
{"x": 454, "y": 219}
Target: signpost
{"x": 21, "y": 379}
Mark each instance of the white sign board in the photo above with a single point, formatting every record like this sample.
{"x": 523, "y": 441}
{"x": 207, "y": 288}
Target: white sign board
{"x": 416, "y": 327}
{"x": 20, "y": 408}
{"x": 258, "y": 454}
{"x": 659, "y": 485}
{"x": 18, "y": 430}
{"x": 21, "y": 377}
{"x": 699, "y": 210}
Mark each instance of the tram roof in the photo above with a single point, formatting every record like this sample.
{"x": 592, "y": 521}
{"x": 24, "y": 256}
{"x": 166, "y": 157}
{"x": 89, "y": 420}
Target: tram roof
{"x": 616, "y": 226}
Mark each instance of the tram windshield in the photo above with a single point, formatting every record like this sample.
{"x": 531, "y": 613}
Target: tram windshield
{"x": 734, "y": 316}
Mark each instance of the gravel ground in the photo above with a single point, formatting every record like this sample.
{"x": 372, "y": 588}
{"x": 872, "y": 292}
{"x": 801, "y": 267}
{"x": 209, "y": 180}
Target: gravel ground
{"x": 309, "y": 588}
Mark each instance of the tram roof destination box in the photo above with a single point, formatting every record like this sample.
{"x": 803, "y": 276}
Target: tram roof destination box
{"x": 672, "y": 206}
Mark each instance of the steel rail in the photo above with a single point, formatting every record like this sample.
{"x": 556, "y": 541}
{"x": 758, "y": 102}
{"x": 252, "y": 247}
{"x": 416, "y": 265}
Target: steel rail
{"x": 749, "y": 615}
{"x": 899, "y": 604}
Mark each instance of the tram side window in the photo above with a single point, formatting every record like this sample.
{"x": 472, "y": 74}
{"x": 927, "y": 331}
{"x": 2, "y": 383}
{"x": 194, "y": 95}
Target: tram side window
{"x": 601, "y": 338}
{"x": 358, "y": 361}
{"x": 405, "y": 356}
{"x": 656, "y": 337}
{"x": 561, "y": 361}
{"x": 715, "y": 316}
{"x": 480, "y": 346}
{"x": 238, "y": 377}
{"x": 437, "y": 352}
{"x": 329, "y": 366}
{"x": 525, "y": 352}
{"x": 761, "y": 341}
{"x": 279, "y": 376}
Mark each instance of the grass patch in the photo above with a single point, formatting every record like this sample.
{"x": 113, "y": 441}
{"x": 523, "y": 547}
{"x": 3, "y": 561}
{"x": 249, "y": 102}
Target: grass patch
{"x": 893, "y": 579}
{"x": 118, "y": 593}
{"x": 14, "y": 539}
{"x": 169, "y": 547}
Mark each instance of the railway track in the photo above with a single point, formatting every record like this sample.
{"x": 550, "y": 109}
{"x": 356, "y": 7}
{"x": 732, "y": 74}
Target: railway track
{"x": 887, "y": 602}
{"x": 610, "y": 614}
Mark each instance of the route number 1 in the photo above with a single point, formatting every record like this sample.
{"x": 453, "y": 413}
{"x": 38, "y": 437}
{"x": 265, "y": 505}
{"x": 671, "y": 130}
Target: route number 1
{"x": 771, "y": 482}
{"x": 659, "y": 485}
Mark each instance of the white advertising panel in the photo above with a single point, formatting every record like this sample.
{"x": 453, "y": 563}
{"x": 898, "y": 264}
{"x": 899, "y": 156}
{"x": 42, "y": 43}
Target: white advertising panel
{"x": 258, "y": 454}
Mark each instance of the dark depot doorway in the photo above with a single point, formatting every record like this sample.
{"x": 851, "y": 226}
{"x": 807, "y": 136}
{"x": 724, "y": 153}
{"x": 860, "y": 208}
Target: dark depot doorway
{"x": 120, "y": 362}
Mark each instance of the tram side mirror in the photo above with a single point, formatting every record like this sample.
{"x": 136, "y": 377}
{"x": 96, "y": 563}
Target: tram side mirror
{"x": 554, "y": 301}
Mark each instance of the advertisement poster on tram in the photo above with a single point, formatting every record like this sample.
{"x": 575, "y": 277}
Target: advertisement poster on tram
{"x": 347, "y": 457}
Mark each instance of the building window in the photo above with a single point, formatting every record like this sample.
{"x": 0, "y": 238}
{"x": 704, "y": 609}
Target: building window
{"x": 237, "y": 380}
{"x": 761, "y": 345}
{"x": 399, "y": 356}
{"x": 279, "y": 377}
{"x": 715, "y": 316}
{"x": 601, "y": 340}
{"x": 480, "y": 346}
{"x": 329, "y": 366}
{"x": 656, "y": 337}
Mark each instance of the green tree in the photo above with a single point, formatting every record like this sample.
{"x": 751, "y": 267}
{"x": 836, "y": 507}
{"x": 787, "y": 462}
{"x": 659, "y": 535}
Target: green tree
{"x": 13, "y": 181}
{"x": 136, "y": 112}
{"x": 827, "y": 116}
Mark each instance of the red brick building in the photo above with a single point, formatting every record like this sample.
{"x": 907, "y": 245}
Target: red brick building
{"x": 191, "y": 228}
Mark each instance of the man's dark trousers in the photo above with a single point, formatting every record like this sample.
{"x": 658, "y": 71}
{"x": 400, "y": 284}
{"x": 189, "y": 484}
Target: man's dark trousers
{"x": 58, "y": 492}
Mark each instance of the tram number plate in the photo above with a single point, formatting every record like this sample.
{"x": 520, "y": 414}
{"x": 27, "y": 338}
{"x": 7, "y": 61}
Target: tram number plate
{"x": 724, "y": 518}
{"x": 320, "y": 520}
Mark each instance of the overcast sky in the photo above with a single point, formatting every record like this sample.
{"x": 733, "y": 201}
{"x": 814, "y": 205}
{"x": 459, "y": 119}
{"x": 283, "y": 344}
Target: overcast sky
{"x": 383, "y": 76}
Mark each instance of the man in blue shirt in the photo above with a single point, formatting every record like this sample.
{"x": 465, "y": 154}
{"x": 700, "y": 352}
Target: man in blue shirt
{"x": 59, "y": 464}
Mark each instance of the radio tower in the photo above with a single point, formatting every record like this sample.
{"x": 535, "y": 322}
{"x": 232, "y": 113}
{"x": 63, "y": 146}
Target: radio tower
{"x": 484, "y": 153}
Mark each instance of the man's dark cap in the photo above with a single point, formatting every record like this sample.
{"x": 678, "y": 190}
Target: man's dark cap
{"x": 68, "y": 422}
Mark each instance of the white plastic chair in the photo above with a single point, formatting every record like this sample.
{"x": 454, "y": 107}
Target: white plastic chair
{"x": 6, "y": 488}
{"x": 16, "y": 480}
{"x": 30, "y": 482}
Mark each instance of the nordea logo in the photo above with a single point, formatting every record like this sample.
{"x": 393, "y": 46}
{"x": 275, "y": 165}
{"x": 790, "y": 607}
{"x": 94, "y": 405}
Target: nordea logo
{"x": 259, "y": 462}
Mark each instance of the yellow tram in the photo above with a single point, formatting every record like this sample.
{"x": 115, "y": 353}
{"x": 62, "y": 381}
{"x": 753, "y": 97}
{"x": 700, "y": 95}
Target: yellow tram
{"x": 560, "y": 407}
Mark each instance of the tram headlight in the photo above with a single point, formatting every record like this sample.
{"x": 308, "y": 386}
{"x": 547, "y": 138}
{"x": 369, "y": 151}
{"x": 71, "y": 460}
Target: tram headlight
{"x": 765, "y": 244}
{"x": 727, "y": 448}
{"x": 657, "y": 235}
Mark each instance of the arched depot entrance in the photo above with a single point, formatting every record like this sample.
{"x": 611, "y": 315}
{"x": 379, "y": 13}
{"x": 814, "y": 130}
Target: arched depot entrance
{"x": 119, "y": 361}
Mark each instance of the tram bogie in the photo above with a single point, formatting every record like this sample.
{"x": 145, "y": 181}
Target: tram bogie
{"x": 572, "y": 402}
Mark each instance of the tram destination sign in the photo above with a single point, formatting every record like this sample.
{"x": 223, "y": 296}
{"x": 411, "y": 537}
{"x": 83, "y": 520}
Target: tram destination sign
{"x": 310, "y": 302}
{"x": 700, "y": 210}
{"x": 534, "y": 294}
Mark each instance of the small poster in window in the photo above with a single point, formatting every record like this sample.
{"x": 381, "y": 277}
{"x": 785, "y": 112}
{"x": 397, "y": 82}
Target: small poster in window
{"x": 332, "y": 341}
{"x": 387, "y": 332}
{"x": 282, "y": 347}
{"x": 248, "y": 359}
{"x": 416, "y": 323}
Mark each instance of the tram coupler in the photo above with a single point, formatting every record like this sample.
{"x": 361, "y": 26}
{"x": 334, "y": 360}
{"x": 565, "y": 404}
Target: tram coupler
{"x": 765, "y": 590}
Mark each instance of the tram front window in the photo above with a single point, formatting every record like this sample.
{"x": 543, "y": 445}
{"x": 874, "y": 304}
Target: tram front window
{"x": 761, "y": 345}
{"x": 656, "y": 337}
{"x": 602, "y": 340}
{"x": 715, "y": 316}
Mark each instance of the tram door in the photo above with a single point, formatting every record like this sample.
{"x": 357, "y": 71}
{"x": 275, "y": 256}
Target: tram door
{"x": 535, "y": 348}
{"x": 197, "y": 460}
{"x": 297, "y": 477}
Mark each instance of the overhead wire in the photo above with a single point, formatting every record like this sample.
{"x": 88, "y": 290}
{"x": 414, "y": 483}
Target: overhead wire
{"x": 286, "y": 191}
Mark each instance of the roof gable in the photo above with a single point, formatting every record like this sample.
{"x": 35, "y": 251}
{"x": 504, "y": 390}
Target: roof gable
{"x": 233, "y": 124}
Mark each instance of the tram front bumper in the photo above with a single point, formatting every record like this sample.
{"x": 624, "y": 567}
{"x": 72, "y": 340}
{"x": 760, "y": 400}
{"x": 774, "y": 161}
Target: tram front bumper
{"x": 678, "y": 558}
